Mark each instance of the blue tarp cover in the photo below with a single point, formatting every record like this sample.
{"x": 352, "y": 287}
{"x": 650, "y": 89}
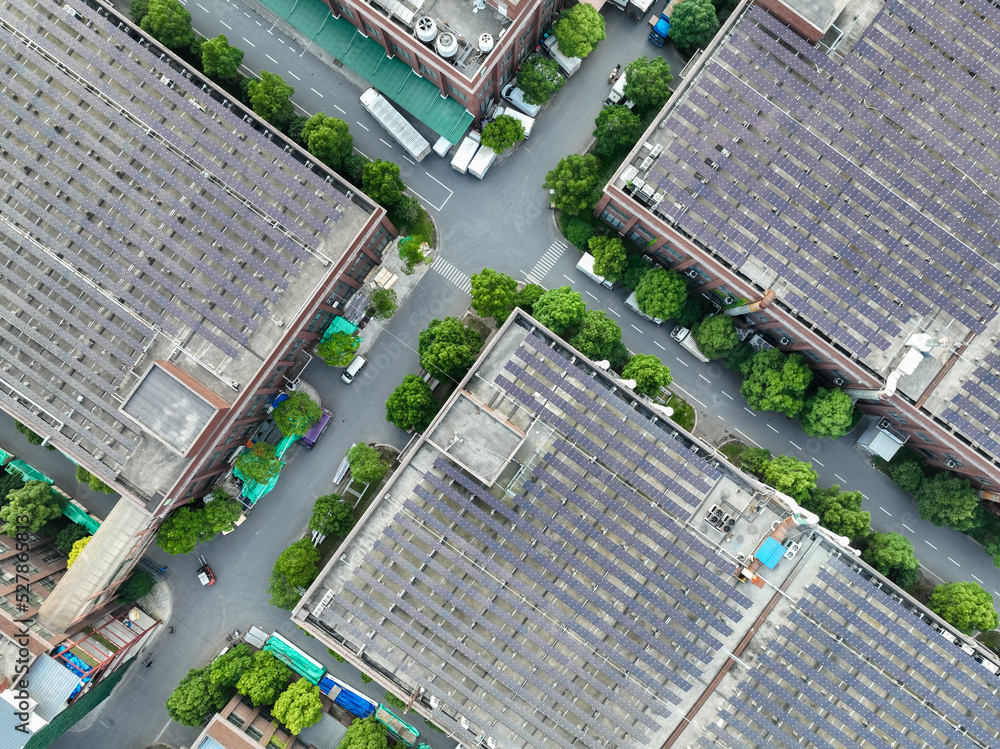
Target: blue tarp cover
{"x": 346, "y": 698}
{"x": 770, "y": 553}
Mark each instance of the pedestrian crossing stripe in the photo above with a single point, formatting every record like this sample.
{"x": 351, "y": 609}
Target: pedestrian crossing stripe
{"x": 546, "y": 261}
{"x": 453, "y": 274}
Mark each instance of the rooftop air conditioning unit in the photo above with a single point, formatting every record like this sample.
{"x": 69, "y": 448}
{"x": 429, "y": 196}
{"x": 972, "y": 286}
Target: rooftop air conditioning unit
{"x": 783, "y": 341}
{"x": 883, "y": 424}
{"x": 952, "y": 464}
{"x": 838, "y": 381}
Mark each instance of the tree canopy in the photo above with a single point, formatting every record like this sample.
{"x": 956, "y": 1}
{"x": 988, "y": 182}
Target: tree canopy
{"x": 539, "y": 78}
{"x": 610, "y": 260}
{"x": 296, "y": 414}
{"x": 220, "y": 515}
{"x": 33, "y": 505}
{"x": 774, "y": 381}
{"x": 715, "y": 336}
{"x": 794, "y": 477}
{"x": 140, "y": 583}
{"x": 908, "y": 475}
{"x": 828, "y": 413}
{"x": 493, "y": 294}
{"x": 265, "y": 680}
{"x": 576, "y": 182}
{"x": 661, "y": 293}
{"x": 331, "y": 516}
{"x": 86, "y": 477}
{"x": 502, "y": 133}
{"x": 271, "y": 97}
{"x": 560, "y": 310}
{"x": 525, "y": 299}
{"x": 227, "y": 669}
{"x": 77, "y": 550}
{"x": 298, "y": 563}
{"x": 578, "y": 30}
{"x": 448, "y": 348}
{"x": 411, "y": 405}
{"x": 328, "y": 139}
{"x": 755, "y": 460}
{"x": 299, "y": 706}
{"x": 259, "y": 463}
{"x": 839, "y": 511}
{"x": 693, "y": 23}
{"x": 366, "y": 464}
{"x": 965, "y": 606}
{"x": 597, "y": 335}
{"x": 411, "y": 252}
{"x": 181, "y": 531}
{"x": 69, "y": 536}
{"x": 647, "y": 83}
{"x": 338, "y": 349}
{"x": 649, "y": 373}
{"x": 365, "y": 733}
{"x": 382, "y": 304}
{"x": 382, "y": 183}
{"x": 195, "y": 698}
{"x": 616, "y": 129}
{"x": 891, "y": 554}
{"x": 944, "y": 499}
{"x": 219, "y": 60}
{"x": 170, "y": 23}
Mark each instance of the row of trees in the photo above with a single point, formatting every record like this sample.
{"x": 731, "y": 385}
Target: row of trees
{"x": 191, "y": 524}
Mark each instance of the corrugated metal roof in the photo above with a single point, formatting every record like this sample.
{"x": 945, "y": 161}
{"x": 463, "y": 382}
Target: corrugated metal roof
{"x": 51, "y": 685}
{"x": 9, "y": 737}
{"x": 770, "y": 553}
{"x": 327, "y": 734}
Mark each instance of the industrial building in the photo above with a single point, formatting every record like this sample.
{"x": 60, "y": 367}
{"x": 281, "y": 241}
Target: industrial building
{"x": 840, "y": 153}
{"x": 556, "y": 564}
{"x": 168, "y": 258}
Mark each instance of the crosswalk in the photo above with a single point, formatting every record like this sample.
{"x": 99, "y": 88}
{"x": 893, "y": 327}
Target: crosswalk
{"x": 545, "y": 262}
{"x": 452, "y": 274}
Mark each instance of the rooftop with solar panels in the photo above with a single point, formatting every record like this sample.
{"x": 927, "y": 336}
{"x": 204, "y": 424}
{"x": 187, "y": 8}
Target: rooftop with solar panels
{"x": 858, "y": 179}
{"x": 143, "y": 218}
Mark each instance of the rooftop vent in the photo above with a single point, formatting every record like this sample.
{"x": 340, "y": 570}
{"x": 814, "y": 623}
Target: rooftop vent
{"x": 486, "y": 42}
{"x": 426, "y": 29}
{"x": 447, "y": 44}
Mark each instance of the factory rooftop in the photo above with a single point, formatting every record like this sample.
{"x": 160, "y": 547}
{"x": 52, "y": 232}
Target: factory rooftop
{"x": 858, "y": 178}
{"x": 145, "y": 218}
{"x": 554, "y": 564}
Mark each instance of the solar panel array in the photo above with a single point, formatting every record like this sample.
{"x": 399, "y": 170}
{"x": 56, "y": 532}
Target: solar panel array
{"x": 976, "y": 408}
{"x": 576, "y": 610}
{"x": 858, "y": 180}
{"x": 853, "y": 667}
{"x": 130, "y": 205}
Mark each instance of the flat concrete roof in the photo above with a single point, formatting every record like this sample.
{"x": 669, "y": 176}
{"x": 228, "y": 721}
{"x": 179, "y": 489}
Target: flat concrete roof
{"x": 169, "y": 408}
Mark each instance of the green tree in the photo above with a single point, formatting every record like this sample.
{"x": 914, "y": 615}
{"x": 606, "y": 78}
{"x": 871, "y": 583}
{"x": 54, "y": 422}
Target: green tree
{"x": 739, "y": 358}
{"x": 220, "y": 515}
{"x": 299, "y": 706}
{"x": 259, "y": 463}
{"x": 295, "y": 126}
{"x": 755, "y": 460}
{"x": 137, "y": 9}
{"x": 331, "y": 516}
{"x": 298, "y": 563}
{"x": 839, "y": 511}
{"x": 227, "y": 669}
{"x": 649, "y": 373}
{"x": 908, "y": 475}
{"x": 219, "y": 60}
{"x": 265, "y": 680}
{"x": 181, "y": 531}
{"x": 597, "y": 335}
{"x": 411, "y": 405}
{"x": 296, "y": 414}
{"x": 579, "y": 232}
{"x": 366, "y": 464}
{"x": 891, "y": 554}
{"x": 578, "y": 30}
{"x": 539, "y": 78}
{"x": 526, "y": 297}
{"x": 661, "y": 293}
{"x": 33, "y": 505}
{"x": 448, "y": 348}
{"x": 338, "y": 349}
{"x": 382, "y": 304}
{"x": 86, "y": 477}
{"x": 944, "y": 499}
{"x": 365, "y": 733}
{"x": 828, "y": 413}
{"x": 381, "y": 182}
{"x": 393, "y": 701}
{"x": 502, "y": 133}
{"x": 169, "y": 23}
{"x": 69, "y": 536}
{"x": 693, "y": 312}
{"x": 647, "y": 83}
{"x": 196, "y": 698}
{"x": 616, "y": 129}
{"x": 794, "y": 477}
{"x": 560, "y": 310}
{"x": 411, "y": 252}
{"x": 354, "y": 168}
{"x": 271, "y": 98}
{"x": 493, "y": 294}
{"x": 715, "y": 336}
{"x": 635, "y": 270}
{"x": 693, "y": 24}
{"x": 774, "y": 381}
{"x": 576, "y": 183}
{"x": 328, "y": 139}
{"x": 609, "y": 257}
{"x": 135, "y": 587}
{"x": 77, "y": 550}
{"x": 965, "y": 606}
{"x": 33, "y": 439}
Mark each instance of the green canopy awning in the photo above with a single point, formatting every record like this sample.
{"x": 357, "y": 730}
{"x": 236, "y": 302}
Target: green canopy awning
{"x": 77, "y": 515}
{"x": 29, "y": 473}
{"x": 308, "y": 668}
{"x": 340, "y": 325}
{"x": 5, "y": 456}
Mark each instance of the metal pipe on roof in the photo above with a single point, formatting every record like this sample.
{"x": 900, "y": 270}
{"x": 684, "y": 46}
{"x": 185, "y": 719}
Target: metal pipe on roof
{"x": 764, "y": 301}
{"x": 920, "y": 347}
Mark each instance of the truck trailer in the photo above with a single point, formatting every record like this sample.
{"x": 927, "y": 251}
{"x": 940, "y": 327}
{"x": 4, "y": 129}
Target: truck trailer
{"x": 634, "y": 9}
{"x": 586, "y": 266}
{"x": 482, "y": 161}
{"x": 395, "y": 124}
{"x": 617, "y": 95}
{"x": 466, "y": 150}
{"x": 568, "y": 65}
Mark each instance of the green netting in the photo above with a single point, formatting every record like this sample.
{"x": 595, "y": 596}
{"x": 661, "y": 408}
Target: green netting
{"x": 417, "y": 95}
{"x": 286, "y": 443}
{"x": 340, "y": 325}
{"x": 5, "y": 455}
{"x": 403, "y": 731}
{"x": 29, "y": 473}
{"x": 77, "y": 515}
{"x": 308, "y": 668}
{"x": 253, "y": 490}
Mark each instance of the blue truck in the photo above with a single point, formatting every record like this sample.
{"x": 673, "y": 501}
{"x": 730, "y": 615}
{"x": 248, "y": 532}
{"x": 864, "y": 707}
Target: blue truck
{"x": 658, "y": 36}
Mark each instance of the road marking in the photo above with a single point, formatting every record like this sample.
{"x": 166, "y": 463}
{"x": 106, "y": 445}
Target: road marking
{"x": 203, "y": 7}
{"x": 636, "y": 328}
{"x": 362, "y": 126}
{"x": 450, "y": 191}
{"x": 321, "y": 96}
{"x": 659, "y": 344}
{"x": 749, "y": 411}
{"x": 226, "y": 25}
{"x": 411, "y": 161}
{"x": 614, "y": 312}
{"x": 726, "y": 394}
{"x": 690, "y": 396}
{"x": 908, "y": 528}
{"x": 840, "y": 477}
{"x": 304, "y": 111}
{"x": 954, "y": 562}
{"x": 594, "y": 298}
{"x": 259, "y": 23}
{"x": 682, "y": 361}
{"x": 930, "y": 544}
{"x": 773, "y": 429}
{"x": 747, "y": 436}
{"x": 294, "y": 76}
{"x": 249, "y": 42}
{"x": 976, "y": 578}
{"x": 721, "y": 417}
{"x": 270, "y": 58}
{"x": 453, "y": 274}
{"x": 704, "y": 378}
{"x": 270, "y": 32}
{"x": 387, "y": 143}
{"x": 546, "y": 262}
{"x": 246, "y": 14}
{"x": 885, "y": 511}
{"x": 794, "y": 445}
{"x": 334, "y": 106}
{"x": 818, "y": 463}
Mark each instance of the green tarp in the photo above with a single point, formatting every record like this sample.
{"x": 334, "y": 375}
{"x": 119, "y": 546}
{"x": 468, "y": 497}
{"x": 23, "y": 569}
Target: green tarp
{"x": 253, "y": 490}
{"x": 29, "y": 473}
{"x": 340, "y": 325}
{"x": 286, "y": 443}
{"x": 366, "y": 57}
{"x": 5, "y": 456}
{"x": 308, "y": 668}
{"x": 77, "y": 515}
{"x": 402, "y": 730}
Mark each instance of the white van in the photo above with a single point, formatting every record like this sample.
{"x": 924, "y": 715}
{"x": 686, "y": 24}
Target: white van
{"x": 353, "y": 368}
{"x": 525, "y": 120}
{"x": 586, "y": 267}
{"x": 516, "y": 97}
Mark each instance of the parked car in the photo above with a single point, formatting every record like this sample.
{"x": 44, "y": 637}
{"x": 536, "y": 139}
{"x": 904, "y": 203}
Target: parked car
{"x": 353, "y": 368}
{"x": 310, "y": 438}
{"x": 516, "y": 97}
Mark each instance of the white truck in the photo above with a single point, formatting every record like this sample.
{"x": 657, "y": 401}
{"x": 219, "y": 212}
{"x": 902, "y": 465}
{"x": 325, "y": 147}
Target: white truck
{"x": 568, "y": 65}
{"x": 528, "y": 122}
{"x": 586, "y": 267}
{"x": 617, "y": 95}
{"x": 466, "y": 150}
{"x": 683, "y": 336}
{"x": 633, "y": 305}
{"x": 634, "y": 9}
{"x": 395, "y": 124}
{"x": 482, "y": 161}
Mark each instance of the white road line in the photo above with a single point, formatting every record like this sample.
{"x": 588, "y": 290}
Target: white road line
{"x": 321, "y": 96}
{"x": 412, "y": 162}
{"x": 773, "y": 429}
{"x": 294, "y": 76}
{"x": 726, "y": 394}
{"x": 361, "y": 126}
{"x": 818, "y": 463}
{"x": 336, "y": 107}
{"x": 270, "y": 32}
{"x": 885, "y": 511}
{"x": 226, "y": 25}
{"x": 930, "y": 544}
{"x": 386, "y": 142}
{"x": 571, "y": 281}
{"x": 613, "y": 312}
{"x": 976, "y": 578}
{"x": 450, "y": 191}
{"x": 747, "y": 436}
{"x": 721, "y": 417}
{"x": 954, "y": 562}
{"x": 908, "y": 528}
{"x": 270, "y": 58}
{"x": 259, "y": 23}
{"x": 203, "y": 7}
{"x": 591, "y": 296}
{"x": 636, "y": 328}
{"x": 795, "y": 446}
{"x": 749, "y": 411}
{"x": 682, "y": 361}
{"x": 246, "y": 14}
{"x": 704, "y": 378}
{"x": 659, "y": 344}
{"x": 840, "y": 477}
{"x": 249, "y": 42}
{"x": 690, "y": 396}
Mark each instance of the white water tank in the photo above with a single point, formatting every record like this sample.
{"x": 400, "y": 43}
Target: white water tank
{"x": 485, "y": 42}
{"x": 447, "y": 44}
{"x": 426, "y": 29}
